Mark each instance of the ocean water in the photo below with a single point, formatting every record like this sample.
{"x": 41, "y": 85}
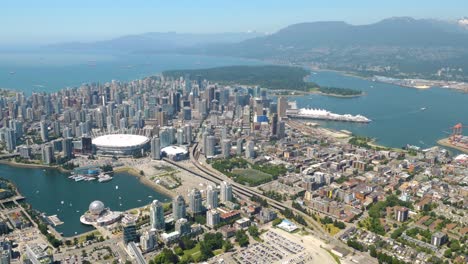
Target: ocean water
{"x": 49, "y": 72}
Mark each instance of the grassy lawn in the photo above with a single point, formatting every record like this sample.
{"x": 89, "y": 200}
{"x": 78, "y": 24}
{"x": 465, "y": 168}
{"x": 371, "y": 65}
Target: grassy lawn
{"x": 258, "y": 239}
{"x": 218, "y": 251}
{"x": 254, "y": 177}
{"x": 333, "y": 229}
{"x": 193, "y": 252}
{"x": 82, "y": 238}
{"x": 335, "y": 257}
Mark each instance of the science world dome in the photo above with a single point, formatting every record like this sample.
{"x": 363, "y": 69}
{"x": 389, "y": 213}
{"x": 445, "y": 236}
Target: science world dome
{"x": 96, "y": 207}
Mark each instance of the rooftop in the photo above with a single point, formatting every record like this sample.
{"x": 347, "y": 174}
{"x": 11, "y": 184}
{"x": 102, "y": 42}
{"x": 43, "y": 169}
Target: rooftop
{"x": 120, "y": 140}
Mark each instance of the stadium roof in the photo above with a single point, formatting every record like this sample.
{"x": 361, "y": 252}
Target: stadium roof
{"x": 120, "y": 140}
{"x": 174, "y": 150}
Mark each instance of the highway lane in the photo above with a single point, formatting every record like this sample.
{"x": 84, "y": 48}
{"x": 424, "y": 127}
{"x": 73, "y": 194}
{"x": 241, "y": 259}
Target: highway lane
{"x": 217, "y": 177}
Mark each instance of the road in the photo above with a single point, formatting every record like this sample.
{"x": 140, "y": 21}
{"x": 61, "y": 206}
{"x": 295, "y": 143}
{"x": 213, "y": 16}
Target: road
{"x": 217, "y": 178}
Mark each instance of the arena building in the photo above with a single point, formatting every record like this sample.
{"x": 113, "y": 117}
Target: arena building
{"x": 121, "y": 144}
{"x": 175, "y": 153}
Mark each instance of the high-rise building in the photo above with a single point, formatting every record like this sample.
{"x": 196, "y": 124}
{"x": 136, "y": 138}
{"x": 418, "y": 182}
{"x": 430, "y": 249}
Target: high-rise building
{"x": 180, "y": 136}
{"x": 188, "y": 133}
{"x": 211, "y": 197}
{"x": 67, "y": 146}
{"x": 44, "y": 131}
{"x": 47, "y": 154}
{"x": 212, "y": 218}
{"x": 5, "y": 252}
{"x": 18, "y": 127}
{"x": 274, "y": 125}
{"x": 401, "y": 213}
{"x": 249, "y": 150}
{"x": 195, "y": 201}
{"x": 172, "y": 134}
{"x": 86, "y": 145}
{"x": 178, "y": 207}
{"x": 157, "y": 215}
{"x": 123, "y": 124}
{"x": 210, "y": 146}
{"x": 239, "y": 145}
{"x": 155, "y": 148}
{"x": 226, "y": 192}
{"x": 165, "y": 138}
{"x": 162, "y": 118}
{"x": 187, "y": 113}
{"x": 205, "y": 141}
{"x": 130, "y": 233}
{"x": 282, "y": 106}
{"x": 188, "y": 84}
{"x": 182, "y": 226}
{"x": 25, "y": 152}
{"x": 10, "y": 139}
{"x": 438, "y": 239}
{"x": 148, "y": 241}
{"x": 226, "y": 148}
{"x": 67, "y": 133}
{"x": 281, "y": 129}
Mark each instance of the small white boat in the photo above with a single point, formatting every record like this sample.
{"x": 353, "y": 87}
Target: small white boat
{"x": 104, "y": 178}
{"x": 423, "y": 108}
{"x": 116, "y": 187}
{"x": 79, "y": 178}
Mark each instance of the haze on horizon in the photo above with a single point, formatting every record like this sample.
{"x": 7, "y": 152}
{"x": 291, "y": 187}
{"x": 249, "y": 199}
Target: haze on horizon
{"x": 50, "y": 21}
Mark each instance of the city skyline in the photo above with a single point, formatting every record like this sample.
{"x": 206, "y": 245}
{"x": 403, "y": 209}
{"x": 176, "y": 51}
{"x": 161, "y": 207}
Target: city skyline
{"x": 53, "y": 21}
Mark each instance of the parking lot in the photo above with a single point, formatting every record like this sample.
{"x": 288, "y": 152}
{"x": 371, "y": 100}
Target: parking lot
{"x": 275, "y": 248}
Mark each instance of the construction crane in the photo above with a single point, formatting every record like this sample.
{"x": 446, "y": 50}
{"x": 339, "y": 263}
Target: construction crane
{"x": 457, "y": 133}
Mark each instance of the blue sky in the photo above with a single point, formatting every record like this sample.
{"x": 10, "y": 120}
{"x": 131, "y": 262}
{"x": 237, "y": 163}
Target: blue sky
{"x": 49, "y": 21}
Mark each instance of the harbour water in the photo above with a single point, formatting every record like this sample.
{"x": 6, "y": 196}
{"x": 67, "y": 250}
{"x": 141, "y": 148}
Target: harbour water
{"x": 399, "y": 115}
{"x": 50, "y": 191}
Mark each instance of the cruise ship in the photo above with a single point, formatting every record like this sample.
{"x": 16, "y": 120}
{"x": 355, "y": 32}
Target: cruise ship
{"x": 321, "y": 114}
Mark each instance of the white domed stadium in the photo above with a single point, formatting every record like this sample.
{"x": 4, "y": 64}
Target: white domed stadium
{"x": 120, "y": 144}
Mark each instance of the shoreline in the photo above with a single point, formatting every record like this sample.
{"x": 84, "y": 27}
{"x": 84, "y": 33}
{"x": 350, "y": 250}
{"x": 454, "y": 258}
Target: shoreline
{"x": 33, "y": 166}
{"x": 370, "y": 78}
{"x": 339, "y": 95}
{"x": 299, "y": 93}
{"x": 445, "y": 142}
{"x": 146, "y": 181}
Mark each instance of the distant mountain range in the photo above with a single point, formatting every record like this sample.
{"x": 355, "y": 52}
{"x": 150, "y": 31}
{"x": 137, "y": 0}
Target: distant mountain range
{"x": 156, "y": 42}
{"x": 400, "y": 47}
